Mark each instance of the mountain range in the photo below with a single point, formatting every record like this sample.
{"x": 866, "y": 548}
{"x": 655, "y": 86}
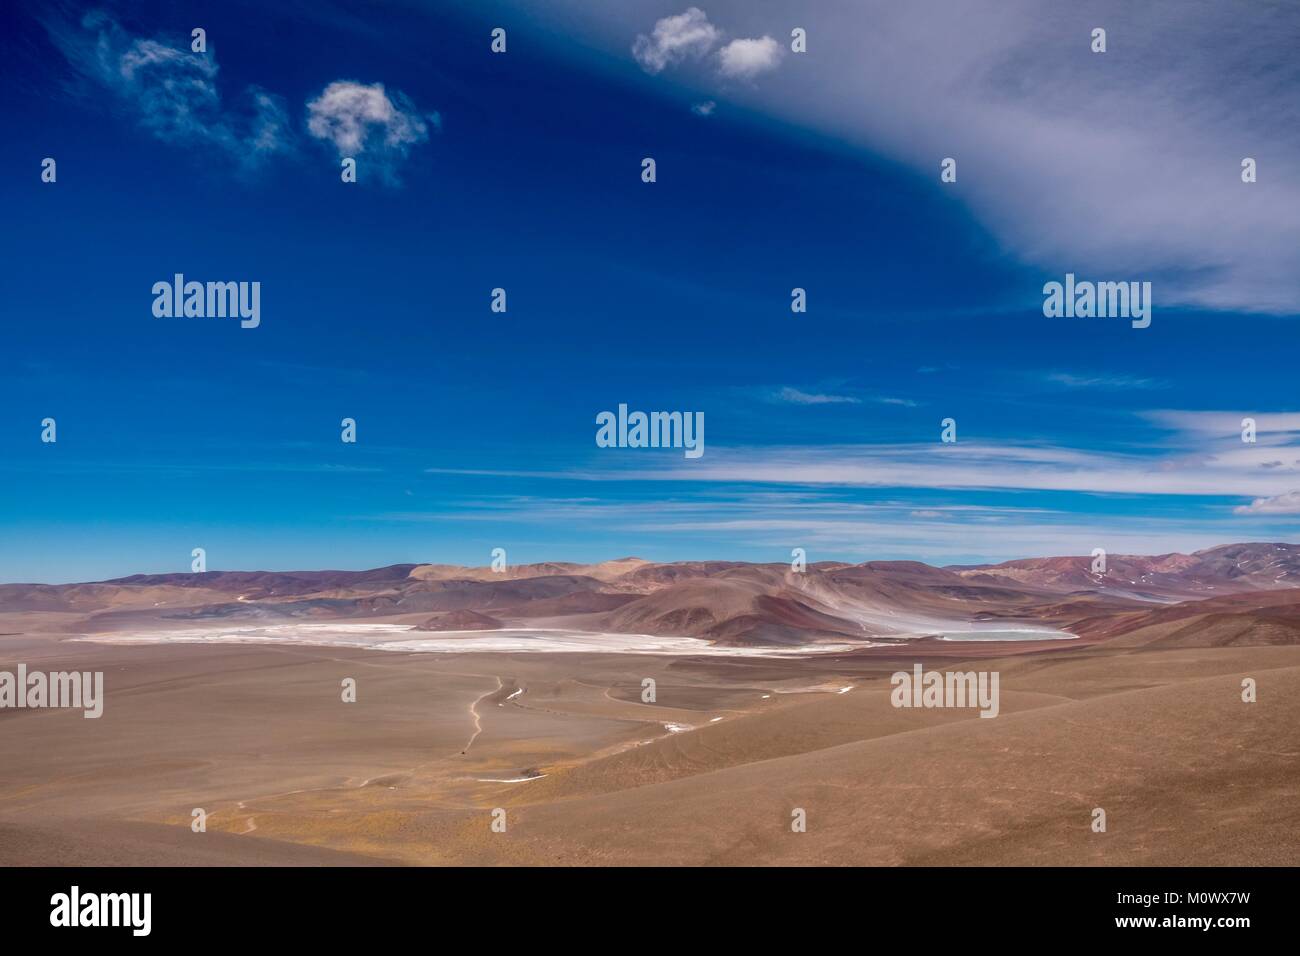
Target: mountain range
{"x": 1236, "y": 593}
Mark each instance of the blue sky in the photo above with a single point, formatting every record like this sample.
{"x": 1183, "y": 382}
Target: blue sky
{"x": 522, "y": 171}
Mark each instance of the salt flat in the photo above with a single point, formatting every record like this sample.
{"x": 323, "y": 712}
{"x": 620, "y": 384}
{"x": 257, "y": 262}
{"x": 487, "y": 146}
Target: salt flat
{"x": 1009, "y": 634}
{"x": 396, "y": 637}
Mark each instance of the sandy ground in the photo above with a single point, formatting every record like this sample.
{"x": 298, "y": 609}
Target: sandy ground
{"x": 711, "y": 773}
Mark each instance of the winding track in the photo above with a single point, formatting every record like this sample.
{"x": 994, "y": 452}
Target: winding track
{"x": 473, "y": 712}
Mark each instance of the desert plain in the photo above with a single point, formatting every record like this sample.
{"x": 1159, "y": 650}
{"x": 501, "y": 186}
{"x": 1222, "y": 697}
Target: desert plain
{"x": 772, "y": 699}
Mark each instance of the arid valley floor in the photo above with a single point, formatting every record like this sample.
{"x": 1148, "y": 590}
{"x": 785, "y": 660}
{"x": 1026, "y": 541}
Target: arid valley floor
{"x": 1141, "y": 714}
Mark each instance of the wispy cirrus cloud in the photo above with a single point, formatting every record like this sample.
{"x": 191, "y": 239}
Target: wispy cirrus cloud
{"x": 1099, "y": 380}
{"x": 1203, "y": 456}
{"x": 790, "y": 395}
{"x": 765, "y": 525}
{"x": 1221, "y": 470}
{"x": 1270, "y": 427}
{"x": 172, "y": 92}
{"x": 1198, "y": 486}
{"x": 796, "y": 396}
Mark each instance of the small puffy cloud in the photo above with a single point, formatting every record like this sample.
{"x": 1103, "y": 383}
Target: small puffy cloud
{"x": 171, "y": 91}
{"x": 357, "y": 118}
{"x": 1287, "y": 504}
{"x": 675, "y": 38}
{"x": 746, "y": 59}
{"x": 704, "y": 109}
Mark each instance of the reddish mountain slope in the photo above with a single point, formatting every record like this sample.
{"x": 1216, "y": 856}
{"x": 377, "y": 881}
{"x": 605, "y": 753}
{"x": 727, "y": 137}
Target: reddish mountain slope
{"x": 1225, "y": 569}
{"x": 731, "y": 602}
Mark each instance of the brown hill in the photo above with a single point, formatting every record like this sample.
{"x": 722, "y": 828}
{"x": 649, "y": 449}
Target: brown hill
{"x": 1239, "y": 620}
{"x": 1224, "y": 569}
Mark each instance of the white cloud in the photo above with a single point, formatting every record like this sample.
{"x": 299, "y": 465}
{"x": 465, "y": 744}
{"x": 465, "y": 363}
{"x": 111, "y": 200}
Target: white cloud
{"x": 704, "y": 109}
{"x": 1199, "y": 459}
{"x": 357, "y": 119}
{"x": 1221, "y": 470}
{"x": 1287, "y": 504}
{"x": 675, "y": 38}
{"x": 834, "y": 527}
{"x": 173, "y": 92}
{"x": 1070, "y": 380}
{"x": 1203, "y": 457}
{"x": 797, "y": 397}
{"x": 746, "y": 59}
{"x": 1271, "y": 428}
{"x": 1122, "y": 165}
